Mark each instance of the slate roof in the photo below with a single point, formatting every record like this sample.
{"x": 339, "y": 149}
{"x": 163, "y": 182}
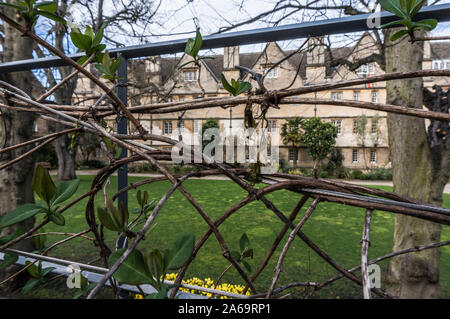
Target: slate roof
{"x": 439, "y": 51}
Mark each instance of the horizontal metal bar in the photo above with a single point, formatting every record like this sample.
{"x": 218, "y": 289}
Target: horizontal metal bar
{"x": 348, "y": 24}
{"x": 96, "y": 273}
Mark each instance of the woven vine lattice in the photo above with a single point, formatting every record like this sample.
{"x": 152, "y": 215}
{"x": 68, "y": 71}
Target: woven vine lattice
{"x": 88, "y": 119}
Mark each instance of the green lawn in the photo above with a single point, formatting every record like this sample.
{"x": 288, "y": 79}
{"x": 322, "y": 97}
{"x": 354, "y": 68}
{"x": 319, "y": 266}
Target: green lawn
{"x": 335, "y": 228}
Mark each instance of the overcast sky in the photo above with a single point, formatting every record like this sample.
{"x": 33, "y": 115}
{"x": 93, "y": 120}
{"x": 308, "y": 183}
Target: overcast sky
{"x": 180, "y": 18}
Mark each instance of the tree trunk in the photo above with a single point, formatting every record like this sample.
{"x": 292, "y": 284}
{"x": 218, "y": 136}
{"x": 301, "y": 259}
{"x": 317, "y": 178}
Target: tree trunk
{"x": 15, "y": 181}
{"x": 418, "y": 171}
{"x": 66, "y": 155}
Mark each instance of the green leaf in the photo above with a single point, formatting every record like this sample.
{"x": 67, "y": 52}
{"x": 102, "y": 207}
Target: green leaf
{"x": 189, "y": 46}
{"x": 145, "y": 200}
{"x": 162, "y": 294}
{"x": 236, "y": 255}
{"x": 46, "y": 271}
{"x": 394, "y": 7}
{"x": 39, "y": 241}
{"x": 139, "y": 198}
{"x": 227, "y": 85}
{"x": 81, "y": 41}
{"x": 33, "y": 270}
{"x": 181, "y": 251}
{"x": 89, "y": 32}
{"x": 49, "y": 6}
{"x": 398, "y": 35}
{"x": 30, "y": 285}
{"x": 57, "y": 218}
{"x": 43, "y": 184}
{"x": 247, "y": 266}
{"x": 20, "y": 8}
{"x": 392, "y": 23}
{"x": 124, "y": 212}
{"x": 243, "y": 87}
{"x": 115, "y": 63}
{"x": 8, "y": 238}
{"x": 20, "y": 214}
{"x": 65, "y": 190}
{"x": 102, "y": 69}
{"x": 428, "y": 24}
{"x": 184, "y": 64}
{"x": 156, "y": 263}
{"x": 244, "y": 242}
{"x": 248, "y": 253}
{"x": 197, "y": 43}
{"x": 82, "y": 60}
{"x": 116, "y": 215}
{"x": 416, "y": 7}
{"x": 133, "y": 270}
{"x": 106, "y": 219}
{"x": 51, "y": 16}
{"x": 9, "y": 259}
{"x": 99, "y": 36}
{"x": 84, "y": 291}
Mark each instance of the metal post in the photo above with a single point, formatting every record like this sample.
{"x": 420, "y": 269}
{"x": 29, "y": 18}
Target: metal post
{"x": 122, "y": 128}
{"x": 122, "y": 172}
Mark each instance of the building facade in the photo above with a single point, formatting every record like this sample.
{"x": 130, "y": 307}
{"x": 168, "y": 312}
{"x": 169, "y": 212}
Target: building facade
{"x": 362, "y": 135}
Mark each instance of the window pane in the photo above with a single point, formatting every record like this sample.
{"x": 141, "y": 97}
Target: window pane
{"x": 355, "y": 156}
{"x": 373, "y": 156}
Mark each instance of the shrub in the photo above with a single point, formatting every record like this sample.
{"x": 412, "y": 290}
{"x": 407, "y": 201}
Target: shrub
{"x": 93, "y": 164}
{"x": 47, "y": 154}
{"x": 383, "y": 173}
{"x": 356, "y": 174}
{"x": 341, "y": 172}
{"x": 143, "y": 168}
{"x": 324, "y": 174}
{"x": 284, "y": 166}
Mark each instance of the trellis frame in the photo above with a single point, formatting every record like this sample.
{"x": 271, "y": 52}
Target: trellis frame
{"x": 320, "y": 190}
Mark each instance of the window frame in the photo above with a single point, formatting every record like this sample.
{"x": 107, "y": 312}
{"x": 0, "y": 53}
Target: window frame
{"x": 373, "y": 156}
{"x": 169, "y": 129}
{"x": 354, "y": 152}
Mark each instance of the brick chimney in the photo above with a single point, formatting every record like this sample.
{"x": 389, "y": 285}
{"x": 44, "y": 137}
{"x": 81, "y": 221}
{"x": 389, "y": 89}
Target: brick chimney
{"x": 230, "y": 60}
{"x": 315, "y": 60}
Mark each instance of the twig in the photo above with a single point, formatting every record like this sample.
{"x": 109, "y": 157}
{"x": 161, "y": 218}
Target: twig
{"x": 288, "y": 244}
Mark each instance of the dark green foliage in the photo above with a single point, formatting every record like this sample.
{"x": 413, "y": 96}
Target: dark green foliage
{"x": 139, "y": 269}
{"x": 47, "y": 154}
{"x": 236, "y": 87}
{"x": 93, "y": 163}
{"x": 356, "y": 174}
{"x": 210, "y": 123}
{"x": 49, "y": 193}
{"x": 405, "y": 10}
{"x": 109, "y": 67}
{"x": 38, "y": 274}
{"x": 89, "y": 43}
{"x": 319, "y": 137}
{"x": 193, "y": 46}
{"x": 30, "y": 11}
{"x": 334, "y": 166}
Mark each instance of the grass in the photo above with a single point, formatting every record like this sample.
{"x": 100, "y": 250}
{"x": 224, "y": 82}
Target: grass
{"x": 335, "y": 228}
